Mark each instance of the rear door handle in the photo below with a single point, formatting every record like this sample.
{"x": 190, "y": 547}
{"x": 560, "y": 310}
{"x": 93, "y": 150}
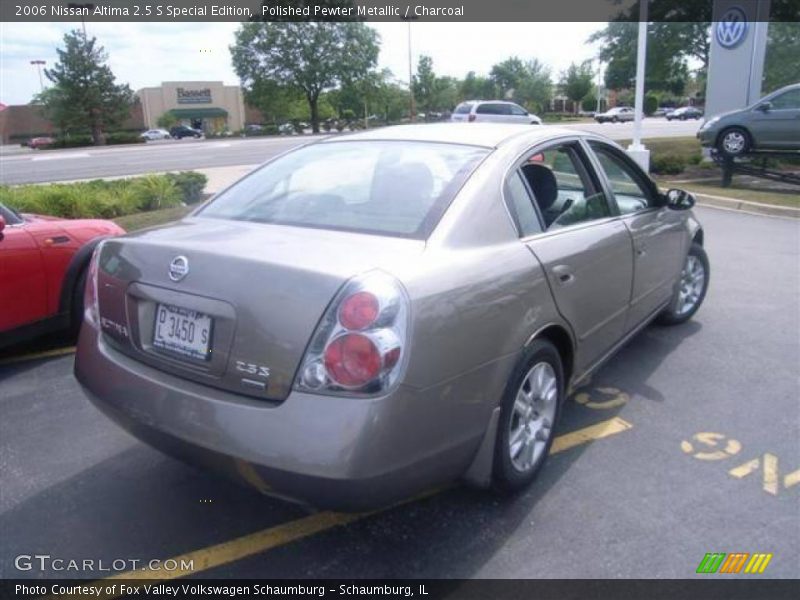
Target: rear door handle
{"x": 563, "y": 274}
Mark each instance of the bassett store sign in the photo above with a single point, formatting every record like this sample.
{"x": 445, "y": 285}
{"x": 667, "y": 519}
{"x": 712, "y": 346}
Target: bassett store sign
{"x": 194, "y": 96}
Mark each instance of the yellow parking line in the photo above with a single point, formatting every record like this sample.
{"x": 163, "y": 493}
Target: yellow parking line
{"x": 37, "y": 355}
{"x": 588, "y": 434}
{"x": 267, "y": 539}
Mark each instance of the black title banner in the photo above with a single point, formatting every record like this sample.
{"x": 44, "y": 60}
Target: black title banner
{"x": 371, "y": 10}
{"x": 422, "y": 589}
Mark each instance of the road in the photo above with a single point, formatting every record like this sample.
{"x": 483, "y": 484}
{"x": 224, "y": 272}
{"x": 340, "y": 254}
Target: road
{"x": 174, "y": 155}
{"x": 697, "y": 450}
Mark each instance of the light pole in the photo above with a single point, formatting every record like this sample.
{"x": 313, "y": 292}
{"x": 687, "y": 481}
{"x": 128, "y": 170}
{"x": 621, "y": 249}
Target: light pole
{"x": 599, "y": 83}
{"x": 39, "y": 64}
{"x": 637, "y": 150}
{"x": 412, "y": 109}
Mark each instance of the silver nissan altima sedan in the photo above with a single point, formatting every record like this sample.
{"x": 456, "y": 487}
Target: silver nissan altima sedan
{"x": 371, "y": 315}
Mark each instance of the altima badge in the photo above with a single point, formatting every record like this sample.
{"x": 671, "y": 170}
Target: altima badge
{"x": 178, "y": 268}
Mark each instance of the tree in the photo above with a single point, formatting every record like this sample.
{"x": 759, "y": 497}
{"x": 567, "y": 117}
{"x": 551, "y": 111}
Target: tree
{"x": 527, "y": 83}
{"x": 85, "y": 94}
{"x": 55, "y": 108}
{"x": 476, "y": 87}
{"x": 782, "y": 66}
{"x": 576, "y": 82}
{"x": 678, "y": 31}
{"x": 423, "y": 84}
{"x": 167, "y": 120}
{"x": 309, "y": 58}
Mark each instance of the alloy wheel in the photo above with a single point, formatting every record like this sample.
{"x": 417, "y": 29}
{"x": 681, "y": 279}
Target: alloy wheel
{"x": 693, "y": 280}
{"x": 534, "y": 414}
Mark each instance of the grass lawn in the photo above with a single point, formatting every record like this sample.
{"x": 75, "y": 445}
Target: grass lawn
{"x": 682, "y": 146}
{"x": 152, "y": 217}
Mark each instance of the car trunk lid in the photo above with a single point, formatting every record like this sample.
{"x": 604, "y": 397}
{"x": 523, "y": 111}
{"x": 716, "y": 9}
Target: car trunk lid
{"x": 263, "y": 287}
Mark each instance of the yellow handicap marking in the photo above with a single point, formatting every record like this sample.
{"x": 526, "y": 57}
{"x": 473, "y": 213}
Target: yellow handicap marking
{"x": 711, "y": 440}
{"x": 768, "y": 463}
{"x": 602, "y": 398}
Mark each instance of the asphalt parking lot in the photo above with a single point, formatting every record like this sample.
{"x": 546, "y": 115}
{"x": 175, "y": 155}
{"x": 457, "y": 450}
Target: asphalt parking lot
{"x": 686, "y": 442}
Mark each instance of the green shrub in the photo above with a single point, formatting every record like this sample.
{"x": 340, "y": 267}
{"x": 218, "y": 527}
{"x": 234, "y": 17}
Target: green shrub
{"x": 105, "y": 199}
{"x": 650, "y": 104}
{"x": 695, "y": 159}
{"x": 73, "y": 141}
{"x": 190, "y": 183}
{"x": 124, "y": 138}
{"x": 667, "y": 164}
{"x": 156, "y": 191}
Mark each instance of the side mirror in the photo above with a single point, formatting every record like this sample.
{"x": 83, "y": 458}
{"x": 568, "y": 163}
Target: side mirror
{"x": 679, "y": 199}
{"x": 765, "y": 107}
{"x": 2, "y": 226}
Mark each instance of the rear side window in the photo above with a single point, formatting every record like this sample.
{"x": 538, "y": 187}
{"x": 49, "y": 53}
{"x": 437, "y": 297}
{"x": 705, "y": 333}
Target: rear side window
{"x": 522, "y": 206}
{"x": 493, "y": 108}
{"x": 463, "y": 108}
{"x": 387, "y": 188}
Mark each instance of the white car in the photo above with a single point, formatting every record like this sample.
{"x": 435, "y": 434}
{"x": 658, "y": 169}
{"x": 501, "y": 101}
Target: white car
{"x": 619, "y": 114}
{"x": 493, "y": 111}
{"x": 155, "y": 134}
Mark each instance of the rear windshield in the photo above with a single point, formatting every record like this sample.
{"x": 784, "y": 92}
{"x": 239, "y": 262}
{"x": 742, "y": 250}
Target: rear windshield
{"x": 388, "y": 187}
{"x": 463, "y": 108}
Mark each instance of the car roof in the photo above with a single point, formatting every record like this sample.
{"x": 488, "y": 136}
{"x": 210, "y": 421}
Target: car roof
{"x": 488, "y": 135}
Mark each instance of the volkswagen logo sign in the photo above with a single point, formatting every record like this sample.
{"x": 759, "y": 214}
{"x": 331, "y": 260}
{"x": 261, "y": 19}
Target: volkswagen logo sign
{"x": 731, "y": 30}
{"x": 178, "y": 268}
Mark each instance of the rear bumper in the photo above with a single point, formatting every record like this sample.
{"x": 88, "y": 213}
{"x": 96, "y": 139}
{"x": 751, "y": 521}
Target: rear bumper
{"x": 326, "y": 451}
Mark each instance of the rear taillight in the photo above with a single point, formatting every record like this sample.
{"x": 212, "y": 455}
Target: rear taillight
{"x": 90, "y": 303}
{"x": 360, "y": 343}
{"x": 471, "y": 118}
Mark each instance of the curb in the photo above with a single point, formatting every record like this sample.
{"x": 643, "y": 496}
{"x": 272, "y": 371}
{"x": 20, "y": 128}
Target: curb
{"x": 771, "y": 210}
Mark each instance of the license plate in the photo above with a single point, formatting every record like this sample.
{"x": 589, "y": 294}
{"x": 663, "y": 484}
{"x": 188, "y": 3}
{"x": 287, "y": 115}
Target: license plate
{"x": 182, "y": 331}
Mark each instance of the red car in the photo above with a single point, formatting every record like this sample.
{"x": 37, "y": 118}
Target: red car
{"x": 43, "y": 264}
{"x": 40, "y": 142}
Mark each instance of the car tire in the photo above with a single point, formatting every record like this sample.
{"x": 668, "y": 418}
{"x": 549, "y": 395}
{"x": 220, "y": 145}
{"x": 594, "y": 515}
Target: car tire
{"x": 526, "y": 428}
{"x": 689, "y": 286}
{"x": 734, "y": 141}
{"x": 614, "y": 120}
{"x": 76, "y": 310}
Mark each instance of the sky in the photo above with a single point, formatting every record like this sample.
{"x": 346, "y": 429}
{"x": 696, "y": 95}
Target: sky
{"x": 145, "y": 54}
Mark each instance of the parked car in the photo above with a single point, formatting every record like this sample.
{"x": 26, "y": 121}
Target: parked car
{"x": 181, "y": 131}
{"x": 365, "y": 317}
{"x": 661, "y": 112}
{"x": 772, "y": 123}
{"x": 155, "y": 134}
{"x": 684, "y": 113}
{"x": 40, "y": 142}
{"x": 619, "y": 114}
{"x": 493, "y": 111}
{"x": 43, "y": 263}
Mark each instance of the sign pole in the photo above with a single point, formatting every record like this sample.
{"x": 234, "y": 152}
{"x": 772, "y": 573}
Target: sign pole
{"x": 637, "y": 150}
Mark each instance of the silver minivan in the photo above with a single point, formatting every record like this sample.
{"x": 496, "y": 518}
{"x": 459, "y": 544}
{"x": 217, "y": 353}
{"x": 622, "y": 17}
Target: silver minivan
{"x": 493, "y": 111}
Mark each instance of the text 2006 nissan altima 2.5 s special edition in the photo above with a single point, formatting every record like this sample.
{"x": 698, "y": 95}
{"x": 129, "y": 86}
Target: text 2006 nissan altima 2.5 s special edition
{"x": 369, "y": 316}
